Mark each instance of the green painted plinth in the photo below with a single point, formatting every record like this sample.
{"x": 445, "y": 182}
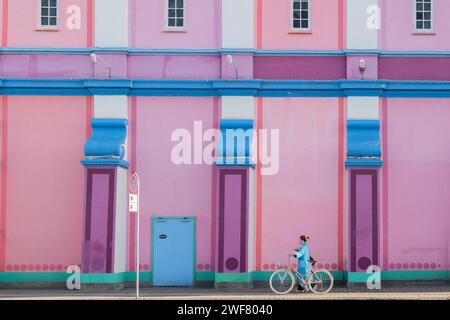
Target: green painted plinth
{"x": 253, "y": 276}
{"x": 399, "y": 275}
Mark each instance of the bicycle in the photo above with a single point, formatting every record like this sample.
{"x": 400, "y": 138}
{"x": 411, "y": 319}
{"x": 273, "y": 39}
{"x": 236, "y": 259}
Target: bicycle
{"x": 283, "y": 281}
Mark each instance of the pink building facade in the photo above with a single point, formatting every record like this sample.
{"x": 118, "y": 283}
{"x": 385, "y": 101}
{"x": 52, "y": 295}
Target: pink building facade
{"x": 347, "y": 103}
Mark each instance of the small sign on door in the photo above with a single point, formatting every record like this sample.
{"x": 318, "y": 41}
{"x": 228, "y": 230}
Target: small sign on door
{"x": 133, "y": 203}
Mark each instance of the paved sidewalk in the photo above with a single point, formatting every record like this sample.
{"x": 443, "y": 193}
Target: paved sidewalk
{"x": 397, "y": 292}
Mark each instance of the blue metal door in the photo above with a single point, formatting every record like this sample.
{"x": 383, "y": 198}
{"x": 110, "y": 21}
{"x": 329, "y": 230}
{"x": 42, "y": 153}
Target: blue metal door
{"x": 173, "y": 251}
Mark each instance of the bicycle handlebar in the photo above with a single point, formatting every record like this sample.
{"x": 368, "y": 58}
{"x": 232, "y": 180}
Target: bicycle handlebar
{"x": 312, "y": 261}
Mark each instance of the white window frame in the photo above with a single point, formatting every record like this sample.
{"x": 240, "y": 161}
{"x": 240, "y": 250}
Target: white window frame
{"x": 423, "y": 31}
{"x": 47, "y": 27}
{"x": 291, "y": 19}
{"x": 168, "y": 28}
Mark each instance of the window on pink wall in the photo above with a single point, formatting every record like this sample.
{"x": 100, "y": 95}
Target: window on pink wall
{"x": 174, "y": 15}
{"x": 301, "y": 15}
{"x": 48, "y": 14}
{"x": 423, "y": 16}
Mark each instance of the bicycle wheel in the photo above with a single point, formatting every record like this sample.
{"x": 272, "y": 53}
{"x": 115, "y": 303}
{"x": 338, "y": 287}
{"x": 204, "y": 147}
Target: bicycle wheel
{"x": 282, "y": 281}
{"x": 320, "y": 281}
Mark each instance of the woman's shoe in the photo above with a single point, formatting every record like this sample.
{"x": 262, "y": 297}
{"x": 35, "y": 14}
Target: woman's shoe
{"x": 300, "y": 289}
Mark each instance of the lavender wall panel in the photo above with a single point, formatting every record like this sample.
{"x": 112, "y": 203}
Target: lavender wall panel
{"x": 300, "y": 68}
{"x": 232, "y": 249}
{"x": 364, "y": 219}
{"x": 99, "y": 221}
{"x": 402, "y": 68}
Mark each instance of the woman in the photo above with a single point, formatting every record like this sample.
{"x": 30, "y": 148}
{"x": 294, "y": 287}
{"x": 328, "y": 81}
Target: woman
{"x": 303, "y": 256}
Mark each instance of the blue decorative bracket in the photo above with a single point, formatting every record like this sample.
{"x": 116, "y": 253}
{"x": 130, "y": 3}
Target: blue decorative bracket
{"x": 234, "y": 147}
{"x": 106, "y": 146}
{"x": 363, "y": 143}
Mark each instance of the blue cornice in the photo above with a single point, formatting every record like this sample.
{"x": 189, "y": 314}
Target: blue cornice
{"x": 107, "y": 139}
{"x": 363, "y": 139}
{"x": 210, "y": 88}
{"x": 363, "y": 163}
{"x": 223, "y": 51}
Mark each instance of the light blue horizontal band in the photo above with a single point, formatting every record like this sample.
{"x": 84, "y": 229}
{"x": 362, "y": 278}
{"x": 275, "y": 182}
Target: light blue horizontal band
{"x": 216, "y": 88}
{"x": 225, "y": 51}
{"x": 222, "y": 163}
{"x": 364, "y": 163}
{"x": 236, "y": 124}
{"x": 104, "y": 162}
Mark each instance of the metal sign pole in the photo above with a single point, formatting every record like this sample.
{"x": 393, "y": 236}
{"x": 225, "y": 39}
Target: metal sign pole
{"x": 137, "y": 252}
{"x": 134, "y": 207}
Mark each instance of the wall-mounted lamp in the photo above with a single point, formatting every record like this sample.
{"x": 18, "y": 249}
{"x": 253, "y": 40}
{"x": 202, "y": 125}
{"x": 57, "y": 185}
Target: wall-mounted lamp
{"x": 230, "y": 61}
{"x": 95, "y": 58}
{"x": 362, "y": 68}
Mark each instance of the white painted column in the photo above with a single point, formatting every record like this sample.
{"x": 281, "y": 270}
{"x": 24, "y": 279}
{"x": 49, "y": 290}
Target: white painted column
{"x": 237, "y": 24}
{"x": 116, "y": 107}
{"x": 361, "y": 33}
{"x": 363, "y": 108}
{"x": 235, "y": 107}
{"x": 238, "y": 33}
{"x": 111, "y": 23}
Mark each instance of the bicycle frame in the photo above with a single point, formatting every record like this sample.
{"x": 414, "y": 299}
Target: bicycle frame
{"x": 297, "y": 275}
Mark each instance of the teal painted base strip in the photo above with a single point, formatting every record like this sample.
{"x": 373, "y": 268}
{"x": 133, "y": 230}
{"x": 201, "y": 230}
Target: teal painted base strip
{"x": 33, "y": 276}
{"x": 257, "y": 276}
{"x": 93, "y": 278}
{"x": 232, "y": 277}
{"x": 352, "y": 277}
{"x": 204, "y": 276}
{"x": 401, "y": 275}
{"x": 101, "y": 278}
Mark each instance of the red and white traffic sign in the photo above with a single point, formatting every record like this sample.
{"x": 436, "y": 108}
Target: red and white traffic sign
{"x": 134, "y": 192}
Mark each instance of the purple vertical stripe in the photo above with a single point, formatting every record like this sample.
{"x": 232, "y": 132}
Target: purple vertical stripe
{"x": 243, "y": 264}
{"x": 232, "y": 220}
{"x": 232, "y": 248}
{"x": 364, "y": 219}
{"x": 99, "y": 221}
{"x": 99, "y": 224}
{"x": 363, "y": 199}
{"x": 375, "y": 220}
{"x": 111, "y": 207}
{"x": 221, "y": 220}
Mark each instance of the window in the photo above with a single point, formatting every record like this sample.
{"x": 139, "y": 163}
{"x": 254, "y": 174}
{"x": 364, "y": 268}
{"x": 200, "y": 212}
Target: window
{"x": 48, "y": 13}
{"x": 175, "y": 14}
{"x": 423, "y": 15}
{"x": 301, "y": 15}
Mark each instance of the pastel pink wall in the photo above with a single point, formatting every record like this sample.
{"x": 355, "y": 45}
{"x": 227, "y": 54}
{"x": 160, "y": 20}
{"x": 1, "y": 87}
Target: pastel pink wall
{"x": 45, "y": 182}
{"x": 302, "y": 198}
{"x": 1, "y": 18}
{"x": 276, "y": 26}
{"x": 202, "y": 25}
{"x": 168, "y": 189}
{"x": 398, "y": 27}
{"x": 23, "y": 23}
{"x": 419, "y": 183}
